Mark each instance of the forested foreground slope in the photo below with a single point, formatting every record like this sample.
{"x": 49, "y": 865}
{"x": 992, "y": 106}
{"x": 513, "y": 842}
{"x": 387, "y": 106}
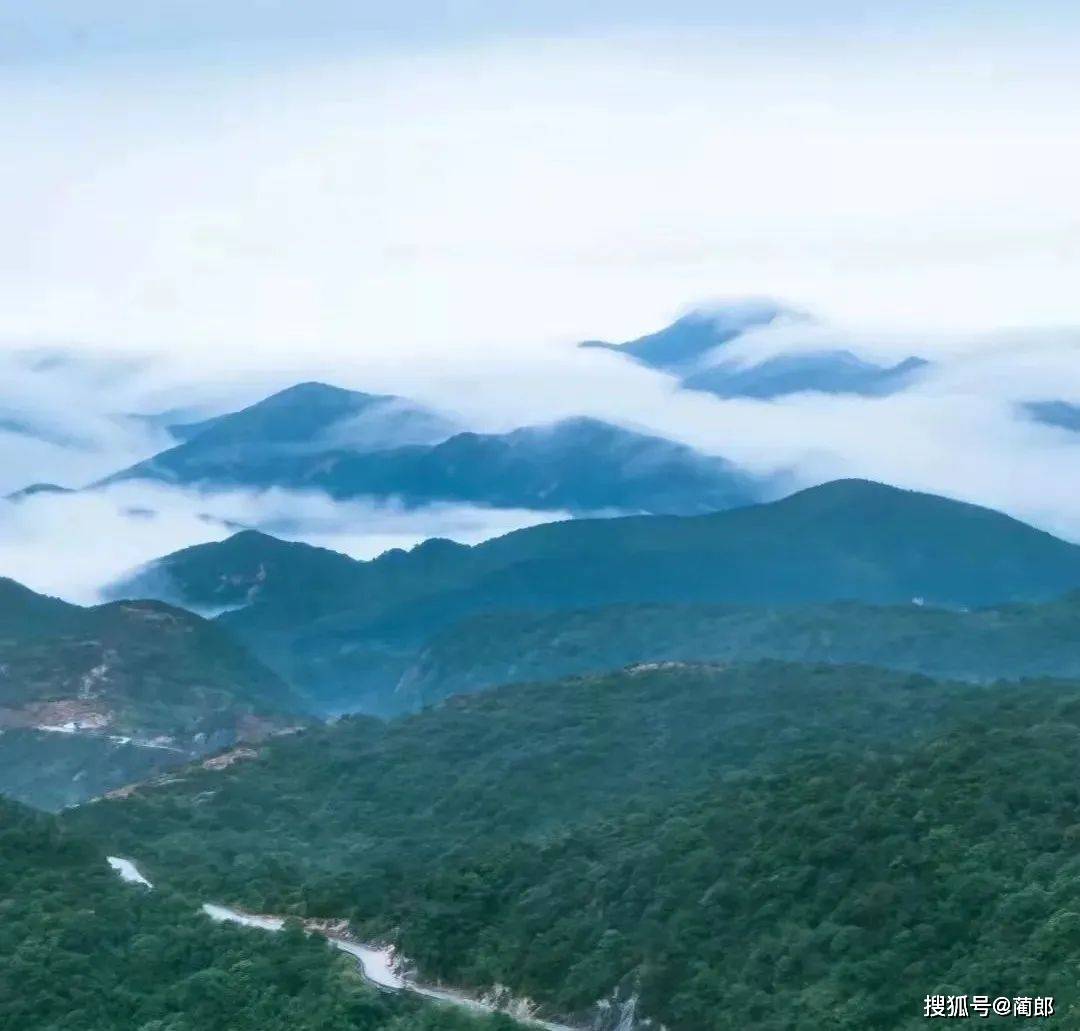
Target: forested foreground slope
{"x": 772, "y": 846}
{"x": 80, "y": 950}
{"x": 95, "y": 698}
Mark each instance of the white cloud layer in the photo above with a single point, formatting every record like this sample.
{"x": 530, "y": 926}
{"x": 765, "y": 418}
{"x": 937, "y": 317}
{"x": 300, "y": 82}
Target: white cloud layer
{"x": 959, "y": 430}
{"x": 71, "y": 546}
{"x": 525, "y": 193}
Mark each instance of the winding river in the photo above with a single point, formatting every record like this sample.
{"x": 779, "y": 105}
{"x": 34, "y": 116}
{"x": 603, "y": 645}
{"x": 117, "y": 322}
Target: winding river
{"x": 376, "y": 963}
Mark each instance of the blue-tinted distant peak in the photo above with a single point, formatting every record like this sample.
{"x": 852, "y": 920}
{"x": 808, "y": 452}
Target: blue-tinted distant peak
{"x": 692, "y": 348}
{"x": 295, "y": 413}
{"x": 314, "y": 390}
{"x": 1061, "y": 414}
{"x": 694, "y": 334}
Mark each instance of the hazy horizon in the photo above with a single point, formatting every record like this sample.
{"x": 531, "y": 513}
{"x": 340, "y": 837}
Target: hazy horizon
{"x": 208, "y": 202}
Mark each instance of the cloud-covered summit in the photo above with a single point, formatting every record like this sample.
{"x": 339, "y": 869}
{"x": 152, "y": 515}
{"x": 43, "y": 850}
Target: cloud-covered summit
{"x": 350, "y": 445}
{"x": 687, "y": 341}
{"x": 694, "y": 348}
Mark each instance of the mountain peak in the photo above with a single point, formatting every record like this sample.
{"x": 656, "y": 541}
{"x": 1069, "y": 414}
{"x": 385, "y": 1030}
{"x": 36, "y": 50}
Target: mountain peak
{"x": 692, "y": 348}
{"x": 38, "y": 488}
{"x": 314, "y": 390}
{"x": 697, "y": 332}
{"x": 299, "y": 412}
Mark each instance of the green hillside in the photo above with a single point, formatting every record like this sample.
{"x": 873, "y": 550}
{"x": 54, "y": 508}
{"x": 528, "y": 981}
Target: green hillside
{"x": 347, "y": 632}
{"x": 828, "y": 892}
{"x": 772, "y": 846}
{"x": 124, "y": 690}
{"x": 82, "y": 951}
{"x": 365, "y": 819}
{"x": 26, "y": 613}
{"x": 1010, "y": 641}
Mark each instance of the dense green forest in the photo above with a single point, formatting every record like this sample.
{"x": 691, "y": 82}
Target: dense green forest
{"x": 828, "y": 892}
{"x": 82, "y": 951}
{"x": 386, "y": 799}
{"x": 158, "y": 668}
{"x": 146, "y": 685}
{"x": 985, "y": 644}
{"x": 772, "y": 845}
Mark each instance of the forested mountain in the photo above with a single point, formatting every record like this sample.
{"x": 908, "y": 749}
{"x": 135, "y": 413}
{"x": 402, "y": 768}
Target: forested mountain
{"x": 82, "y": 951}
{"x": 766, "y": 843}
{"x": 350, "y": 445}
{"x": 24, "y": 612}
{"x": 1004, "y": 641}
{"x": 692, "y": 348}
{"x": 93, "y": 698}
{"x": 829, "y": 891}
{"x": 347, "y": 632}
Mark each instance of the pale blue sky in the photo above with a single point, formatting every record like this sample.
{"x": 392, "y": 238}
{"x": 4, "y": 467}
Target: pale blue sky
{"x": 71, "y": 29}
{"x": 414, "y": 175}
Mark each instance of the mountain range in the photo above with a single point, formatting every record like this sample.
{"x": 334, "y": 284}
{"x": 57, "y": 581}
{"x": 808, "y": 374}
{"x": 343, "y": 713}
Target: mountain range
{"x": 350, "y": 634}
{"x": 352, "y": 445}
{"x": 692, "y": 348}
{"x": 718, "y": 763}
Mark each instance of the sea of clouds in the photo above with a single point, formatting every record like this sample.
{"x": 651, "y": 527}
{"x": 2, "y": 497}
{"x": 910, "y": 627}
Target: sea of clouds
{"x": 187, "y": 232}
{"x": 961, "y": 429}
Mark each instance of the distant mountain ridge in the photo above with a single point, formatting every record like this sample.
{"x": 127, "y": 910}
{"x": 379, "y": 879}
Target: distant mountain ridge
{"x": 350, "y": 445}
{"x": 347, "y": 632}
{"x": 35, "y": 489}
{"x": 302, "y": 414}
{"x": 693, "y": 335}
{"x": 1062, "y": 414}
{"x": 827, "y": 372}
{"x": 304, "y": 419}
{"x": 692, "y": 348}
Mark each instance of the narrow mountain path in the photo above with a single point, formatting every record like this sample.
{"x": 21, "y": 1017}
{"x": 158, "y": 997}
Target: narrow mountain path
{"x": 128, "y": 871}
{"x": 377, "y": 966}
{"x": 375, "y": 963}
